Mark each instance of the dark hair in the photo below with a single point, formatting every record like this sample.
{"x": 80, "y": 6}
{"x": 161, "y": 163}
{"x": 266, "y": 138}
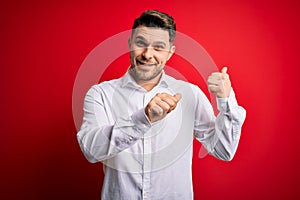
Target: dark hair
{"x": 155, "y": 18}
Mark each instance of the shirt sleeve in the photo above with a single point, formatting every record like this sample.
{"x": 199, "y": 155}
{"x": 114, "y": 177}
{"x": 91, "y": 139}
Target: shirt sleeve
{"x": 99, "y": 138}
{"x": 220, "y": 135}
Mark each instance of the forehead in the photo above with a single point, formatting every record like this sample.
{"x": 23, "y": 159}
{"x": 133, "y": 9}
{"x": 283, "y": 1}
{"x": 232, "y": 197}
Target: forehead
{"x": 151, "y": 34}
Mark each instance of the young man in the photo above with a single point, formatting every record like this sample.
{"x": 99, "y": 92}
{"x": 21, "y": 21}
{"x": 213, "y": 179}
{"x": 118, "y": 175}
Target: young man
{"x": 142, "y": 125}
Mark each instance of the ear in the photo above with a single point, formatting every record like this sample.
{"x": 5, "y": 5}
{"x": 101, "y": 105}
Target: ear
{"x": 171, "y": 52}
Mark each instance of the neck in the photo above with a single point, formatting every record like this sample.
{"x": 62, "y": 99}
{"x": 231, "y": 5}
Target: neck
{"x": 147, "y": 85}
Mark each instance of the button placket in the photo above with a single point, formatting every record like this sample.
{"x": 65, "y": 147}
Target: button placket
{"x": 147, "y": 163}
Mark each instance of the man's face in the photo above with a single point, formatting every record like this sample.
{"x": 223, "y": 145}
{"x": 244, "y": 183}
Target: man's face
{"x": 150, "y": 49}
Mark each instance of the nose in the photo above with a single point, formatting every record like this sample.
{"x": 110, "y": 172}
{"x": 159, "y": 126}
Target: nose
{"x": 148, "y": 53}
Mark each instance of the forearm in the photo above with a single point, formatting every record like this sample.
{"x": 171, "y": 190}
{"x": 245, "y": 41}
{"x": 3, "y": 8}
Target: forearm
{"x": 221, "y": 135}
{"x": 101, "y": 143}
{"x": 228, "y": 127}
{"x": 101, "y": 135}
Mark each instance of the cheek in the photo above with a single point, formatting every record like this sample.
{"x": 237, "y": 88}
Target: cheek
{"x": 135, "y": 53}
{"x": 162, "y": 58}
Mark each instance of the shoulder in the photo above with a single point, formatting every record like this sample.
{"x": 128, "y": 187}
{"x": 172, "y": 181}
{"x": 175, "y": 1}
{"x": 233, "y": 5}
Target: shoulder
{"x": 107, "y": 85}
{"x": 102, "y": 90}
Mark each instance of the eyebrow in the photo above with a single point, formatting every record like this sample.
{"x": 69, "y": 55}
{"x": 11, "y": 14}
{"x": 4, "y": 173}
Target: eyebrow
{"x": 140, "y": 37}
{"x": 155, "y": 42}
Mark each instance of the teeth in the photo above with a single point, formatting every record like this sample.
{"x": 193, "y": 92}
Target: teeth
{"x": 148, "y": 64}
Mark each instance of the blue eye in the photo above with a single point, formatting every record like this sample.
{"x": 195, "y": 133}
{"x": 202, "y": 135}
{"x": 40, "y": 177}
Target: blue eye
{"x": 159, "y": 47}
{"x": 140, "y": 43}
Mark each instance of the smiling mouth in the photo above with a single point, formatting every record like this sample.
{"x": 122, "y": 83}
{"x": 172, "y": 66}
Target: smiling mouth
{"x": 145, "y": 64}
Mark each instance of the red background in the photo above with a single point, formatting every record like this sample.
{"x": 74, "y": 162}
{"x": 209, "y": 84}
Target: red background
{"x": 43, "y": 44}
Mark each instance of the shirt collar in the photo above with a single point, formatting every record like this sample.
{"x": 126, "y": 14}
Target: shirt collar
{"x": 129, "y": 81}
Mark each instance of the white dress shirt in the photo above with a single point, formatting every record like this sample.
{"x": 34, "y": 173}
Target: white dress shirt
{"x": 144, "y": 160}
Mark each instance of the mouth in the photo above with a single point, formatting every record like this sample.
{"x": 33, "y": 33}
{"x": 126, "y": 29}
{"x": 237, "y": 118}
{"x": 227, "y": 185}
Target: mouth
{"x": 144, "y": 63}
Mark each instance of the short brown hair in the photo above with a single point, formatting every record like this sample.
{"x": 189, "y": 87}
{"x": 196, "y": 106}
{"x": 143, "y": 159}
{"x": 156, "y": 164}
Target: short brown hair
{"x": 155, "y": 18}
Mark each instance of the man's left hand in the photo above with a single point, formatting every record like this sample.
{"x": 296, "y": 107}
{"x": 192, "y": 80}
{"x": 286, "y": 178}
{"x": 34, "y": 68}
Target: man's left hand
{"x": 219, "y": 83}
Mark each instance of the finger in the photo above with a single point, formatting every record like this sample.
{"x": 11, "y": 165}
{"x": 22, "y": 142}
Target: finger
{"x": 157, "y": 101}
{"x": 167, "y": 101}
{"x": 214, "y": 89}
{"x": 171, "y": 101}
{"x": 156, "y": 110}
{"x": 166, "y": 107}
{"x": 167, "y": 96}
{"x": 216, "y": 76}
{"x": 214, "y": 81}
{"x": 224, "y": 70}
{"x": 178, "y": 96}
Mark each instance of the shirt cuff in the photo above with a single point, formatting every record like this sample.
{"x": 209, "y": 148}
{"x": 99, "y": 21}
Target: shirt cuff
{"x": 141, "y": 121}
{"x": 224, "y": 103}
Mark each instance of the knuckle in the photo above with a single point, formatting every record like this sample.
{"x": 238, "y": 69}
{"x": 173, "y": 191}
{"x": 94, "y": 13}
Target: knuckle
{"x": 167, "y": 107}
{"x": 151, "y": 104}
{"x": 156, "y": 98}
{"x": 172, "y": 104}
{"x": 158, "y": 95}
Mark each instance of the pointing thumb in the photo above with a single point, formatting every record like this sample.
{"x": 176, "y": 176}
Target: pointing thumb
{"x": 178, "y": 96}
{"x": 224, "y": 70}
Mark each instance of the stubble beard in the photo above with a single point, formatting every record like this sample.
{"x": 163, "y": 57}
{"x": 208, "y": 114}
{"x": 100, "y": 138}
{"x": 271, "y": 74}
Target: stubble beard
{"x": 146, "y": 75}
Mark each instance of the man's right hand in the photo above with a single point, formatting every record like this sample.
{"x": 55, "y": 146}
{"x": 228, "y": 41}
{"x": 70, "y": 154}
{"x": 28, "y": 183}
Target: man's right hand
{"x": 160, "y": 105}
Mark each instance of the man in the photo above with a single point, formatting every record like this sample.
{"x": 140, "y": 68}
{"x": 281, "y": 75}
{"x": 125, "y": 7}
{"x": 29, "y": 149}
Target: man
{"x": 142, "y": 125}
